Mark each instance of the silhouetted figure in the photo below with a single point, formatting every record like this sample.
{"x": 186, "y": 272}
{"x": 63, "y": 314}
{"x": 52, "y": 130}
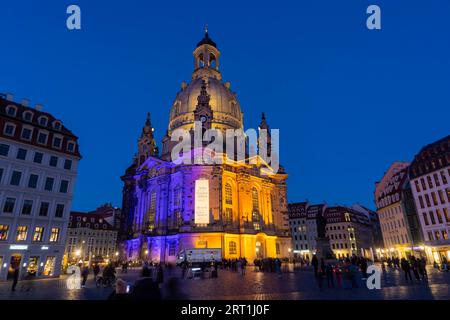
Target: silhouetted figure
{"x": 406, "y": 269}
{"x": 84, "y": 275}
{"x": 15, "y": 279}
{"x": 96, "y": 270}
{"x": 329, "y": 273}
{"x": 146, "y": 270}
{"x": 315, "y": 264}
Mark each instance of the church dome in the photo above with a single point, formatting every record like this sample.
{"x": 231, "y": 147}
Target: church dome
{"x": 226, "y": 110}
{"x": 224, "y": 105}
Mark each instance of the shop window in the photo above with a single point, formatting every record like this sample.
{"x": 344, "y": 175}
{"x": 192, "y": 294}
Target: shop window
{"x": 33, "y": 266}
{"x": 49, "y": 266}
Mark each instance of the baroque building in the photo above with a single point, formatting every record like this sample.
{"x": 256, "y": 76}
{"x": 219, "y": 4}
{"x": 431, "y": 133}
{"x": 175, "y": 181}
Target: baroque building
{"x": 238, "y": 206}
{"x": 92, "y": 236}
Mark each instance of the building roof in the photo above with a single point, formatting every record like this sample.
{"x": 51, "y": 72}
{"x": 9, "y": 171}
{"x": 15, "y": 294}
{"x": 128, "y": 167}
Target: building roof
{"x": 207, "y": 40}
{"x": 89, "y": 220}
{"x": 431, "y": 157}
{"x": 19, "y": 120}
{"x": 338, "y": 214}
{"x": 297, "y": 210}
{"x": 392, "y": 191}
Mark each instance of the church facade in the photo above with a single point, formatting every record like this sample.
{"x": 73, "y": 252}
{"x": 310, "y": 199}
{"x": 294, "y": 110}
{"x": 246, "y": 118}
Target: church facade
{"x": 236, "y": 206}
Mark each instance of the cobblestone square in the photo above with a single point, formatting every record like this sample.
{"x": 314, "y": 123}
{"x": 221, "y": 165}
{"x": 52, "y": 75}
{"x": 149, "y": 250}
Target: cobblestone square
{"x": 254, "y": 285}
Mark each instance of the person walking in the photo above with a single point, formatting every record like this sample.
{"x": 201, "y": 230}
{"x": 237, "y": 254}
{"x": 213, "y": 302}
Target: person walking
{"x": 15, "y": 279}
{"x": 406, "y": 269}
{"x": 96, "y": 270}
{"x": 84, "y": 275}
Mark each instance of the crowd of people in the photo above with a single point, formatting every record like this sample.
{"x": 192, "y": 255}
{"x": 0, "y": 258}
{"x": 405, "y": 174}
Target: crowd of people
{"x": 341, "y": 273}
{"x": 268, "y": 265}
{"x": 235, "y": 265}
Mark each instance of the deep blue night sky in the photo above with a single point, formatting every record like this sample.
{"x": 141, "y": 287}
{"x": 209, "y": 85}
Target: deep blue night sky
{"x": 348, "y": 101}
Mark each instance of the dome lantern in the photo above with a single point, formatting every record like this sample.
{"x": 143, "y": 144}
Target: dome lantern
{"x": 206, "y": 58}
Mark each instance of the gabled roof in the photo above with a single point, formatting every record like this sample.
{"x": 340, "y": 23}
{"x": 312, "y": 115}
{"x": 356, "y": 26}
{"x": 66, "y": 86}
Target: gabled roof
{"x": 431, "y": 157}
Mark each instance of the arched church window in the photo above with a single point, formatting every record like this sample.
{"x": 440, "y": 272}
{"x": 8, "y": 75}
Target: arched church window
{"x": 212, "y": 61}
{"x": 228, "y": 194}
{"x": 255, "y": 199}
{"x": 232, "y": 249}
{"x": 255, "y": 214}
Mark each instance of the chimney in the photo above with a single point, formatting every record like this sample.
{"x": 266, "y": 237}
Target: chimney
{"x": 25, "y": 102}
{"x": 9, "y": 97}
{"x": 38, "y": 107}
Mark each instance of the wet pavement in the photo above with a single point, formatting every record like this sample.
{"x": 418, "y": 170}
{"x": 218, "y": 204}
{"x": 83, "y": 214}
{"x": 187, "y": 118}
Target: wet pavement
{"x": 254, "y": 285}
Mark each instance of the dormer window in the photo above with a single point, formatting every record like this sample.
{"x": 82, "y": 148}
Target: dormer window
{"x": 43, "y": 121}
{"x": 11, "y": 111}
{"x": 28, "y": 116}
{"x": 57, "y": 125}
{"x": 71, "y": 146}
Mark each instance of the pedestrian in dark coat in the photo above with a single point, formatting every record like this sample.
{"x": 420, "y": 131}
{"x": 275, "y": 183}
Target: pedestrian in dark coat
{"x": 406, "y": 269}
{"x": 315, "y": 264}
{"x": 15, "y": 279}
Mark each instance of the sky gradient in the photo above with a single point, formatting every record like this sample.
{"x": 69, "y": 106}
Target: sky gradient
{"x": 348, "y": 101}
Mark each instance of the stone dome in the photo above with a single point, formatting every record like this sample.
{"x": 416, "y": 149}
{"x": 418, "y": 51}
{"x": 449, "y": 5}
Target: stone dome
{"x": 225, "y": 107}
{"x": 226, "y": 110}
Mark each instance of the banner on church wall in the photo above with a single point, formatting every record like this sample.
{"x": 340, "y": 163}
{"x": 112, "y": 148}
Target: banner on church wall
{"x": 202, "y": 201}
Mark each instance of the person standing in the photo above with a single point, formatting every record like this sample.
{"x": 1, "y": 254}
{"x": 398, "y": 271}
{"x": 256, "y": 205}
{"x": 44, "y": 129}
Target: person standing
{"x": 159, "y": 274}
{"x": 329, "y": 272}
{"x": 423, "y": 267}
{"x": 406, "y": 269}
{"x": 15, "y": 279}
{"x": 415, "y": 267}
{"x": 315, "y": 264}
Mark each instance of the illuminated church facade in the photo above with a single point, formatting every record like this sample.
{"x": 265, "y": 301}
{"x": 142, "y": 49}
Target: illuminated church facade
{"x": 246, "y": 208}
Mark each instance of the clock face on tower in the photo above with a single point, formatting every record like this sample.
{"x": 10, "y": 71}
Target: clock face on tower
{"x": 203, "y": 119}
